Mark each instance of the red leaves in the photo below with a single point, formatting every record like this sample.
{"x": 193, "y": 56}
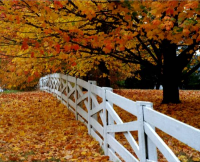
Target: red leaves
{"x": 169, "y": 11}
{"x": 75, "y": 47}
{"x": 30, "y": 78}
{"x": 74, "y": 64}
{"x": 66, "y": 37}
{"x": 24, "y": 44}
{"x": 17, "y": 19}
{"x": 58, "y": 4}
{"x": 156, "y": 22}
{"x": 32, "y": 54}
{"x": 67, "y": 48}
{"x": 57, "y": 47}
{"x": 3, "y": 15}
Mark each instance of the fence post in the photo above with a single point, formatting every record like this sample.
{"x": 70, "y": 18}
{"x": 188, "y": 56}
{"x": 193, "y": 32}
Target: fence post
{"x": 147, "y": 148}
{"x": 141, "y": 134}
{"x": 48, "y": 84}
{"x": 76, "y": 114}
{"x": 90, "y": 104}
{"x": 107, "y": 120}
{"x": 54, "y": 84}
{"x": 67, "y": 92}
{"x": 151, "y": 148}
{"x": 61, "y": 87}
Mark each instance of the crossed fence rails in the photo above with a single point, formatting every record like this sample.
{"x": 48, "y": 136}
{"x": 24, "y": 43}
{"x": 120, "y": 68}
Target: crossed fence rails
{"x": 93, "y": 106}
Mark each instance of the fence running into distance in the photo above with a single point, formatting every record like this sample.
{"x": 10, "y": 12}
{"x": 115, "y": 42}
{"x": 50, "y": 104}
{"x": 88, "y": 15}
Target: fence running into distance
{"x": 93, "y": 106}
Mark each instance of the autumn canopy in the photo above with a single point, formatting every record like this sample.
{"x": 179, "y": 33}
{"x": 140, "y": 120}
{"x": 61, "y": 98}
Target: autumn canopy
{"x": 45, "y": 36}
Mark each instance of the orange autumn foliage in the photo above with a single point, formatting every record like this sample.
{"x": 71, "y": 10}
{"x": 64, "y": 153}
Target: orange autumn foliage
{"x": 34, "y": 126}
{"x": 74, "y": 36}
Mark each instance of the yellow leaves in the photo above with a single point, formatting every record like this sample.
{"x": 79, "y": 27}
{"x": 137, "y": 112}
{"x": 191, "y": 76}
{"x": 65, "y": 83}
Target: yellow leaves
{"x": 196, "y": 158}
{"x": 37, "y": 127}
{"x": 22, "y": 133}
{"x": 16, "y": 148}
{"x": 183, "y": 158}
{"x": 83, "y": 153}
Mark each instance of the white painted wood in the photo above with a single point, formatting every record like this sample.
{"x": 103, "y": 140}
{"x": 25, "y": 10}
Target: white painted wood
{"x": 130, "y": 126}
{"x": 113, "y": 114}
{"x": 58, "y": 92}
{"x": 65, "y": 98}
{"x": 71, "y": 79}
{"x": 82, "y": 83}
{"x": 128, "y": 135}
{"x": 181, "y": 131}
{"x": 71, "y": 91}
{"x": 56, "y": 75}
{"x": 64, "y": 86}
{"x": 122, "y": 102}
{"x": 104, "y": 121}
{"x": 71, "y": 109}
{"x": 141, "y": 135}
{"x": 94, "y": 100}
{"x": 113, "y": 156}
{"x": 86, "y": 104}
{"x": 96, "y": 136}
{"x": 132, "y": 142}
{"x": 97, "y": 109}
{"x": 164, "y": 149}
{"x": 82, "y": 120}
{"x": 76, "y": 96}
{"x": 151, "y": 147}
{"x": 79, "y": 90}
{"x": 96, "y": 126}
{"x": 63, "y": 76}
{"x": 65, "y": 103}
{"x": 83, "y": 97}
{"x": 89, "y": 108}
{"x": 83, "y": 113}
{"x": 101, "y": 116}
{"x": 97, "y": 90}
{"x": 71, "y": 103}
{"x": 70, "y": 86}
{"x": 121, "y": 150}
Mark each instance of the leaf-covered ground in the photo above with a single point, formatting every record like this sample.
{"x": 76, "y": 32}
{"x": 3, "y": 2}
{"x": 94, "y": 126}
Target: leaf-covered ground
{"x": 188, "y": 111}
{"x": 35, "y": 126}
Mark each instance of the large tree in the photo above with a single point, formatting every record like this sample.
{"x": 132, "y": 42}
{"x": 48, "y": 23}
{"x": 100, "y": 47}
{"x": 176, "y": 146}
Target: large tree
{"x": 159, "y": 35}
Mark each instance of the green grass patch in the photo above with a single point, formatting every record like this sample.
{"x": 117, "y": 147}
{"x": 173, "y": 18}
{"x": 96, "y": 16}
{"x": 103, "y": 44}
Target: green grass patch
{"x": 10, "y": 91}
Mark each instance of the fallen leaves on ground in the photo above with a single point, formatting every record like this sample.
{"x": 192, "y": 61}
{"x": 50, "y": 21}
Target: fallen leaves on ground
{"x": 188, "y": 111}
{"x": 35, "y": 126}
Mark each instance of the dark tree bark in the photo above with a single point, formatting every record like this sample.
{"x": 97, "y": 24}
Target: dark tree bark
{"x": 104, "y": 82}
{"x": 171, "y": 74}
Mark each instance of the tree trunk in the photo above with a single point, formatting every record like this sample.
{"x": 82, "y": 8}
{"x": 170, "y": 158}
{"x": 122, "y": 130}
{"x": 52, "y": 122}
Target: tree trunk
{"x": 104, "y": 82}
{"x": 171, "y": 75}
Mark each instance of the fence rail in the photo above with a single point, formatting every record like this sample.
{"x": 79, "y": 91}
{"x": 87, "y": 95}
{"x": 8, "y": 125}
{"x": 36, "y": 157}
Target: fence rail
{"x": 93, "y": 106}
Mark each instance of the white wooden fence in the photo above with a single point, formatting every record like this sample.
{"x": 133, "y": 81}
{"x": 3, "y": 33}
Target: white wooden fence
{"x": 81, "y": 98}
